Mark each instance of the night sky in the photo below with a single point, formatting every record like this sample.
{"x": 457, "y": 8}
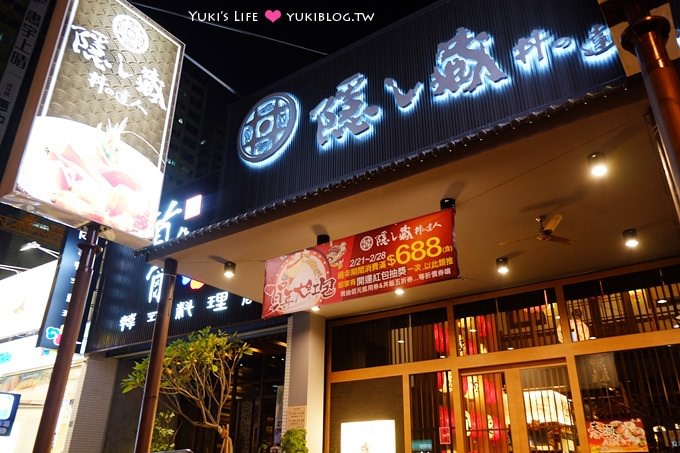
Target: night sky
{"x": 248, "y": 51}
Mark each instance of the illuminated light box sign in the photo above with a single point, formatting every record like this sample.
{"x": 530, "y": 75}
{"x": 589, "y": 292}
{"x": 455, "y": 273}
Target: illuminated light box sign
{"x": 9, "y": 404}
{"x": 96, "y": 149}
{"x": 422, "y": 445}
{"x": 24, "y": 299}
{"x": 374, "y": 436}
{"x": 409, "y": 253}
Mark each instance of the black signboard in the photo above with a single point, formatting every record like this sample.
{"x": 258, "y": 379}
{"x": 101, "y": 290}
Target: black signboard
{"x": 129, "y": 296}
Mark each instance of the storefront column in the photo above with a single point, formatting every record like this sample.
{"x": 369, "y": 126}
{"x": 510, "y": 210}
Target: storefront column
{"x": 152, "y": 384}
{"x": 304, "y": 380}
{"x": 646, "y": 37}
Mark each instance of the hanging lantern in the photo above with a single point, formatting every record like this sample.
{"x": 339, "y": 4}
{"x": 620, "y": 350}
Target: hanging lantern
{"x": 441, "y": 339}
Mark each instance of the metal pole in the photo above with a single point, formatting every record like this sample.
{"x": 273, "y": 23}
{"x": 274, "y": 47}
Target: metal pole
{"x": 646, "y": 38}
{"x": 152, "y": 384}
{"x": 67, "y": 346}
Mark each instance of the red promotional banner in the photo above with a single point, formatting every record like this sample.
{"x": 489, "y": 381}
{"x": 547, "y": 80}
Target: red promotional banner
{"x": 406, "y": 254}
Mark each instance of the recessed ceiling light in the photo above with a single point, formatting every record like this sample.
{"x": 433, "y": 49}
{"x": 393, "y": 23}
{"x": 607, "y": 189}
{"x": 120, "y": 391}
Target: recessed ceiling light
{"x": 502, "y": 265}
{"x": 399, "y": 291}
{"x": 630, "y": 238}
{"x": 315, "y": 308}
{"x": 229, "y": 269}
{"x": 598, "y": 164}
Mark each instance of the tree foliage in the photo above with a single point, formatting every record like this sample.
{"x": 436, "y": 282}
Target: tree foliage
{"x": 199, "y": 370}
{"x": 163, "y": 432}
{"x": 294, "y": 440}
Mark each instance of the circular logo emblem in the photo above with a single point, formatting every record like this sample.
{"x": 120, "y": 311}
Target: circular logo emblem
{"x": 130, "y": 34}
{"x": 366, "y": 243}
{"x": 268, "y": 127}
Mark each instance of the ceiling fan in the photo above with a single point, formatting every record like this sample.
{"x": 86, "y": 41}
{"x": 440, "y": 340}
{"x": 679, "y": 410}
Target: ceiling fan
{"x": 546, "y": 228}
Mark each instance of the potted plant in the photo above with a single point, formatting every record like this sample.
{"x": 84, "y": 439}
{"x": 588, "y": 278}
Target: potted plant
{"x": 294, "y": 441}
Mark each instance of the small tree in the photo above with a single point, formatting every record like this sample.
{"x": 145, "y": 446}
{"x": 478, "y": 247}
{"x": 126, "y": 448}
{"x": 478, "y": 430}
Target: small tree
{"x": 200, "y": 370}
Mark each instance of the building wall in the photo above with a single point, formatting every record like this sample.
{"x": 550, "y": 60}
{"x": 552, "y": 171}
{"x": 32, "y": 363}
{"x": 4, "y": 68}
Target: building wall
{"x": 121, "y": 430}
{"x": 91, "y": 408}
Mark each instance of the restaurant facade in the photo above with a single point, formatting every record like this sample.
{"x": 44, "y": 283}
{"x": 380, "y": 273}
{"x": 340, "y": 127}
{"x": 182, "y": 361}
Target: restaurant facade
{"x": 424, "y": 159}
{"x": 496, "y": 111}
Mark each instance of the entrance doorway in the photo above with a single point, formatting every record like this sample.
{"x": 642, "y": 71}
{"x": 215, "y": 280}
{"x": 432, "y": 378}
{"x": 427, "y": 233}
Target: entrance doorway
{"x": 529, "y": 408}
{"x": 524, "y": 408}
{"x": 256, "y": 410}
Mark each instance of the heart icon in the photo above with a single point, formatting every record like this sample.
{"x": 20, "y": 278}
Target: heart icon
{"x": 273, "y": 16}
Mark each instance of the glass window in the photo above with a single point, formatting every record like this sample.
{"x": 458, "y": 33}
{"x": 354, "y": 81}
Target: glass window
{"x": 399, "y": 339}
{"x": 487, "y": 422}
{"x": 631, "y": 398}
{"x": 549, "y": 409}
{"x": 641, "y": 302}
{"x": 511, "y": 322}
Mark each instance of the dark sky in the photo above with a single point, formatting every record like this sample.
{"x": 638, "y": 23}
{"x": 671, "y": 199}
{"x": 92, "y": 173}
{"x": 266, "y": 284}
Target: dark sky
{"x": 247, "y": 51}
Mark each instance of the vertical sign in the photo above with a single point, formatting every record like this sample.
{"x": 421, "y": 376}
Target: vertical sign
{"x": 19, "y": 58}
{"x": 96, "y": 150}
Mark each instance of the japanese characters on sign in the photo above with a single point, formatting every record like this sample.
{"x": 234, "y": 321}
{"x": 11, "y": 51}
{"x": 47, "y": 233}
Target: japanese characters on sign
{"x": 411, "y": 253}
{"x": 167, "y": 228}
{"x": 97, "y": 148}
{"x": 346, "y": 113}
{"x": 131, "y": 291}
{"x": 463, "y": 66}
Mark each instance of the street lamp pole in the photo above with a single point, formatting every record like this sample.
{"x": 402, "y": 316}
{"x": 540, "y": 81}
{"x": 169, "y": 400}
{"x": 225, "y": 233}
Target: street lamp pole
{"x": 152, "y": 383}
{"x": 67, "y": 346}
